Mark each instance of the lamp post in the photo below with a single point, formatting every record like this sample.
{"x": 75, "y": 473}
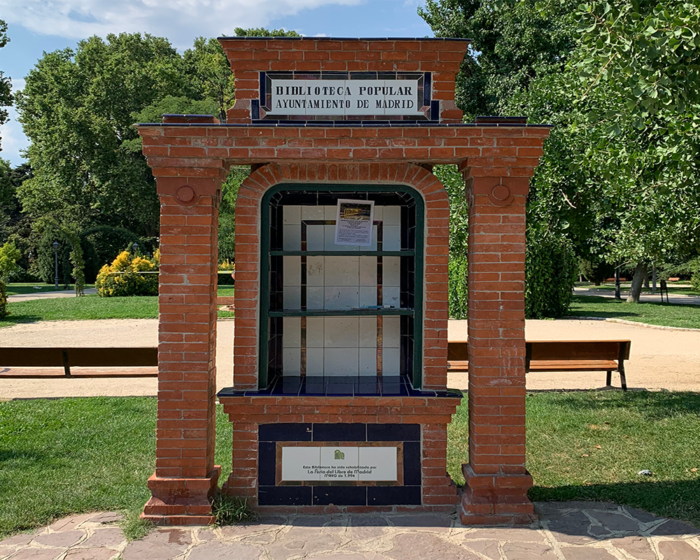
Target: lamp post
{"x": 135, "y": 247}
{"x": 55, "y": 258}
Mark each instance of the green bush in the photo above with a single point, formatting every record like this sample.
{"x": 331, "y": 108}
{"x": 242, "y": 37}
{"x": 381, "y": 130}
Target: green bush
{"x": 458, "y": 269}
{"x": 125, "y": 276}
{"x": 101, "y": 243}
{"x": 44, "y": 264}
{"x": 550, "y": 272}
{"x": 695, "y": 282}
{"x": 3, "y": 300}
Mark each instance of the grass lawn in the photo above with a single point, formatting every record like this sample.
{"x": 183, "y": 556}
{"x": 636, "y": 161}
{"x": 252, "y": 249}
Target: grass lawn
{"x": 664, "y": 314}
{"x": 77, "y": 455}
{"x": 88, "y": 307}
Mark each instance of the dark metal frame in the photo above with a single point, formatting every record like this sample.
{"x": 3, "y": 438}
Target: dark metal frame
{"x": 418, "y": 253}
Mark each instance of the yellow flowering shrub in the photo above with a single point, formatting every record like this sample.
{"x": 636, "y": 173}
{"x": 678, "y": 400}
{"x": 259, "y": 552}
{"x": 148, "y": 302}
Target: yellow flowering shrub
{"x": 129, "y": 275}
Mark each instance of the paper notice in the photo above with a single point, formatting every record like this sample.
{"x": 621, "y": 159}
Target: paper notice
{"x": 353, "y": 224}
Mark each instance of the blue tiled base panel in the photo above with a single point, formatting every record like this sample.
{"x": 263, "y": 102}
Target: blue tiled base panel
{"x": 270, "y": 494}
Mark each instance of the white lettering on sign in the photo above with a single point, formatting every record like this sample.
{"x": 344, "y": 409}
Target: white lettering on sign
{"x": 345, "y": 97}
{"x": 301, "y": 464}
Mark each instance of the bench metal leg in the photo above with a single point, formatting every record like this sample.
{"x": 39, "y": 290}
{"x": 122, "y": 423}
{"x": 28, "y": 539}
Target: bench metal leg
{"x": 623, "y": 379}
{"x": 609, "y": 380}
{"x": 66, "y": 364}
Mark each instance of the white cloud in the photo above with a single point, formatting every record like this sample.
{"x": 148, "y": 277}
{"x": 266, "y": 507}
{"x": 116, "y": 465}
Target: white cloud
{"x": 178, "y": 20}
{"x": 13, "y": 139}
{"x": 18, "y": 84}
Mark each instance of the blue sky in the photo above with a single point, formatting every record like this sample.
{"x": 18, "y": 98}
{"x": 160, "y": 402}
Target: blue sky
{"x": 37, "y": 26}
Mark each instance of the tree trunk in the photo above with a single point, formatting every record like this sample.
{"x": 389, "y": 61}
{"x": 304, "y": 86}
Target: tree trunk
{"x": 640, "y": 273}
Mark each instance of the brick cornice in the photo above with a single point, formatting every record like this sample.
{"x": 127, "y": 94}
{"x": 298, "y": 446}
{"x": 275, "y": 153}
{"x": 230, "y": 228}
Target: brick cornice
{"x": 199, "y": 150}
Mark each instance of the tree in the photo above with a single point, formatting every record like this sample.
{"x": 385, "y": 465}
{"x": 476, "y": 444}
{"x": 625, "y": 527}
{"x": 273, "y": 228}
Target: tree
{"x": 648, "y": 54}
{"x": 5, "y": 83}
{"x": 77, "y": 110}
{"x": 212, "y": 74}
{"x": 452, "y": 179}
{"x": 617, "y": 81}
{"x": 512, "y": 44}
{"x": 227, "y": 212}
{"x": 210, "y": 70}
{"x": 9, "y": 255}
{"x": 262, "y": 32}
{"x": 15, "y": 226}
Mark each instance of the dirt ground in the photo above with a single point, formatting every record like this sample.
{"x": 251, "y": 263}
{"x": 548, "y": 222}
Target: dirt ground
{"x": 660, "y": 359}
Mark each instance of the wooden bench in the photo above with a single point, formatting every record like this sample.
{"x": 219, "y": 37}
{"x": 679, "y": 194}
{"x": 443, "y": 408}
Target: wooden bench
{"x": 560, "y": 355}
{"x": 133, "y": 357}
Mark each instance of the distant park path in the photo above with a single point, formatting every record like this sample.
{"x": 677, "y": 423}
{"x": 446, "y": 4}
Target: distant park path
{"x": 646, "y": 297}
{"x": 47, "y": 295}
{"x": 660, "y": 359}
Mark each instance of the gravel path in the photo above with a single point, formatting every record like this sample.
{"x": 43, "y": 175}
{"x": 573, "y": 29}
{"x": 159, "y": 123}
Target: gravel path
{"x": 660, "y": 359}
{"x": 566, "y": 530}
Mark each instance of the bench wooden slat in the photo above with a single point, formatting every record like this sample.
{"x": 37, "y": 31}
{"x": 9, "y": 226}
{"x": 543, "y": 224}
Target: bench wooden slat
{"x": 576, "y": 350}
{"x": 31, "y": 357}
{"x": 91, "y": 374}
{"x": 122, "y": 357}
{"x": 572, "y": 365}
{"x": 457, "y": 365}
{"x": 95, "y": 357}
{"x": 558, "y": 355}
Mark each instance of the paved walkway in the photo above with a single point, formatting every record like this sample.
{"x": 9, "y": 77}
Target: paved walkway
{"x": 47, "y": 295}
{"x": 681, "y": 299}
{"x": 566, "y": 531}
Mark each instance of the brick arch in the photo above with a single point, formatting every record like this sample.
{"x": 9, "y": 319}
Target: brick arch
{"x": 437, "y": 213}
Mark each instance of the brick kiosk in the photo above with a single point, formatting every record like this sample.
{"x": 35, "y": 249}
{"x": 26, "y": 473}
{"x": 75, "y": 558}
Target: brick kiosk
{"x": 341, "y": 350}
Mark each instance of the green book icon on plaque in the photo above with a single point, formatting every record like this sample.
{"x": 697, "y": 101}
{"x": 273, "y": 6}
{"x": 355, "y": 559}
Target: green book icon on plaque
{"x": 338, "y": 455}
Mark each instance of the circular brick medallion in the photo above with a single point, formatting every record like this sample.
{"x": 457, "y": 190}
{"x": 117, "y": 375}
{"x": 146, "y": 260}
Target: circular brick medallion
{"x": 500, "y": 195}
{"x": 186, "y": 195}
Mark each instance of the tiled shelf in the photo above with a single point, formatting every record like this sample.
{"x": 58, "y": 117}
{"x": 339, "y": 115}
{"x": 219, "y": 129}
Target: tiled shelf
{"x": 342, "y": 253}
{"x": 338, "y": 312}
{"x": 339, "y": 386}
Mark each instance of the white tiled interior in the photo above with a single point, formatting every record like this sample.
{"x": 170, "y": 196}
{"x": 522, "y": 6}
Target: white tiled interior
{"x": 337, "y": 346}
{"x": 322, "y": 237}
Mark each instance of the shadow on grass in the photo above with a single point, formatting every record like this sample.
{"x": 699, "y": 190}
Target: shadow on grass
{"x": 13, "y": 319}
{"x": 673, "y": 499}
{"x": 618, "y": 308}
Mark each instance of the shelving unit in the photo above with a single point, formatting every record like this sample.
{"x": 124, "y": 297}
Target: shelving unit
{"x": 311, "y": 327}
{"x": 341, "y": 312}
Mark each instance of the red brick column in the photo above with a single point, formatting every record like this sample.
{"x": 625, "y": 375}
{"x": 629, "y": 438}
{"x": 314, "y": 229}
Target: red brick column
{"x": 497, "y": 183}
{"x": 185, "y": 476}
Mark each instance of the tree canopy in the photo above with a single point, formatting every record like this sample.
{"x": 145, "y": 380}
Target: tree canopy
{"x": 77, "y": 109}
{"x": 618, "y": 80}
{"x": 86, "y": 172}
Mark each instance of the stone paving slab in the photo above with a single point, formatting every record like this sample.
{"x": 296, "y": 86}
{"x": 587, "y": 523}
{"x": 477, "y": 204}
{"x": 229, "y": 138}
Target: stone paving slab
{"x": 565, "y": 531}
